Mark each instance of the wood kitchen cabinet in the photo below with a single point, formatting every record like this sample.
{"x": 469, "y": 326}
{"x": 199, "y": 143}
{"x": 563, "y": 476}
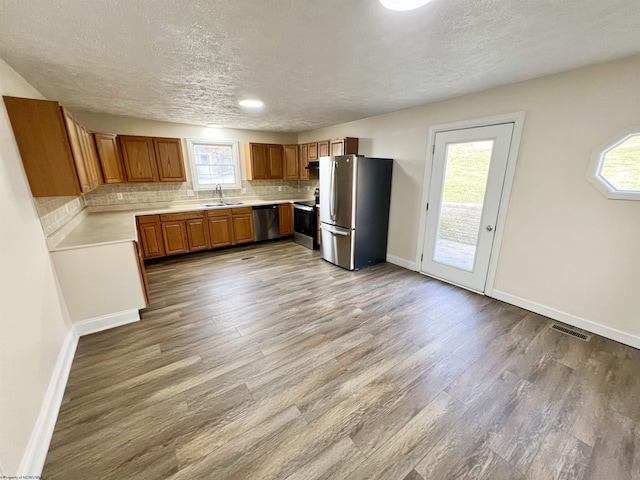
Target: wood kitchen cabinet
{"x": 169, "y": 160}
{"x": 274, "y": 160}
{"x": 174, "y": 235}
{"x": 303, "y": 158}
{"x": 256, "y": 158}
{"x": 264, "y": 161}
{"x": 323, "y": 148}
{"x": 312, "y": 151}
{"x": 110, "y": 158}
{"x": 184, "y": 232}
{"x": 52, "y": 168}
{"x": 242, "y": 220}
{"x": 285, "y": 212}
{"x": 138, "y": 155}
{"x": 197, "y": 234}
{"x": 344, "y": 146}
{"x": 150, "y": 235}
{"x": 291, "y": 162}
{"x": 85, "y": 155}
{"x": 220, "y": 227}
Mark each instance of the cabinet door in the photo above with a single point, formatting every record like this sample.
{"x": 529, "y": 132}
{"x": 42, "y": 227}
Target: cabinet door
{"x": 175, "y": 237}
{"x": 139, "y": 158}
{"x": 350, "y": 146}
{"x": 220, "y": 231}
{"x": 337, "y": 147}
{"x": 290, "y": 162}
{"x": 169, "y": 159}
{"x": 257, "y": 162}
{"x": 313, "y": 151}
{"x": 39, "y": 129}
{"x": 91, "y": 159}
{"x": 323, "y": 148}
{"x": 110, "y": 159}
{"x": 318, "y": 223}
{"x": 242, "y": 228}
{"x": 78, "y": 149}
{"x": 197, "y": 234}
{"x": 304, "y": 161}
{"x": 150, "y": 234}
{"x": 274, "y": 156}
{"x": 285, "y": 211}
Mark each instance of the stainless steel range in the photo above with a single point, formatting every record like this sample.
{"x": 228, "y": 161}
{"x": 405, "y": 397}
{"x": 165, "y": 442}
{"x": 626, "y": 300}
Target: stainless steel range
{"x": 304, "y": 224}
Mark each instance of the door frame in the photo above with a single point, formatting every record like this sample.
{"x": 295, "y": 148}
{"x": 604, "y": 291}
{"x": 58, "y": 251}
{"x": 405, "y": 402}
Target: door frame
{"x": 517, "y": 118}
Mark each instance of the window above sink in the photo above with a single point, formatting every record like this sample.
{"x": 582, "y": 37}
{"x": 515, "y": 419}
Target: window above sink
{"x": 214, "y": 162}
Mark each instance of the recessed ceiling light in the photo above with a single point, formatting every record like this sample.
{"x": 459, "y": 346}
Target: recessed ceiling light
{"x": 250, "y": 103}
{"x": 403, "y": 4}
{"x": 214, "y": 125}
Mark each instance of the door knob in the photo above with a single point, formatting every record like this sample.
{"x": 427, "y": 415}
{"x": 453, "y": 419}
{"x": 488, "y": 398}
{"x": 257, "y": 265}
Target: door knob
{"x": 489, "y": 228}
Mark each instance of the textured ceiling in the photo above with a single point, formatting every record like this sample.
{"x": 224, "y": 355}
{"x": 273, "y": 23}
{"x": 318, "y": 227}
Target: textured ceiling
{"x": 313, "y": 62}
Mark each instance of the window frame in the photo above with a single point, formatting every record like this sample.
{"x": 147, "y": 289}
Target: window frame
{"x": 596, "y": 164}
{"x": 234, "y": 144}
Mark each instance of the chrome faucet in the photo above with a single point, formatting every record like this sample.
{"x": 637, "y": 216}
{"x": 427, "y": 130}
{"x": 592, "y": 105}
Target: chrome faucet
{"x": 219, "y": 192}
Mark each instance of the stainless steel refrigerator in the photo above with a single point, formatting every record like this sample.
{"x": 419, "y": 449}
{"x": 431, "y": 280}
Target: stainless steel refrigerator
{"x": 355, "y": 193}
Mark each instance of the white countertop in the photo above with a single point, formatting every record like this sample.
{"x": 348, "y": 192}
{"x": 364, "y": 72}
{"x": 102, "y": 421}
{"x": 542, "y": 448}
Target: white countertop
{"x": 95, "y": 227}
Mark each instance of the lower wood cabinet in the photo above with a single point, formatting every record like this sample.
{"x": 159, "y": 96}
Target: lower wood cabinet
{"x": 150, "y": 235}
{"x": 175, "y": 233}
{"x": 285, "y": 211}
{"x": 242, "y": 220}
{"x": 220, "y": 227}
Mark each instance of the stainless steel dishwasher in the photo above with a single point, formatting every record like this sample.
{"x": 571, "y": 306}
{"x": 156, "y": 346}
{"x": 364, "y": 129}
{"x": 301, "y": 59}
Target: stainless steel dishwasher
{"x": 266, "y": 222}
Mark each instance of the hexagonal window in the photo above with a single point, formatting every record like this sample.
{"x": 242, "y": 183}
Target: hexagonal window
{"x": 615, "y": 169}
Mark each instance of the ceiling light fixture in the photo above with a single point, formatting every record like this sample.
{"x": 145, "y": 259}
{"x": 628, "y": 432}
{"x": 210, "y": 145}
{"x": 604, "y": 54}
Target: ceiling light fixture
{"x": 249, "y": 103}
{"x": 402, "y": 5}
{"x": 214, "y": 125}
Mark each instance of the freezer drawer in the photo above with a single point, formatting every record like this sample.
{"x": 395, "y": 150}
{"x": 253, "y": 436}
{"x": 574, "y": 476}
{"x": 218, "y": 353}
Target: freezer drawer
{"x": 338, "y": 245}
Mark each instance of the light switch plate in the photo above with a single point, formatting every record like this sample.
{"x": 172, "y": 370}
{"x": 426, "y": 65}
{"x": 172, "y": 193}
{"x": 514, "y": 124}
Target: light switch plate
{"x": 280, "y": 188}
{"x": 119, "y": 196}
{"x": 190, "y": 193}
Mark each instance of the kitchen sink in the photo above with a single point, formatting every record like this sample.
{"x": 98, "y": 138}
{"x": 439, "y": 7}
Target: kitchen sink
{"x": 220, "y": 204}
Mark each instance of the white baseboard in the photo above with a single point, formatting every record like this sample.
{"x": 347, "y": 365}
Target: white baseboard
{"x": 569, "y": 319}
{"x": 36, "y": 453}
{"x": 402, "y": 262}
{"x": 105, "y": 322}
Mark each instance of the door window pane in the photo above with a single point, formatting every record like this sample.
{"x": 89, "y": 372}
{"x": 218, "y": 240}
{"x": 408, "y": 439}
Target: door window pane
{"x": 465, "y": 183}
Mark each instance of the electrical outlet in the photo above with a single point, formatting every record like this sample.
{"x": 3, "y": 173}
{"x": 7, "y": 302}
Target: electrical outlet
{"x": 190, "y": 193}
{"x": 308, "y": 189}
{"x": 280, "y": 188}
{"x": 243, "y": 191}
{"x": 120, "y": 196}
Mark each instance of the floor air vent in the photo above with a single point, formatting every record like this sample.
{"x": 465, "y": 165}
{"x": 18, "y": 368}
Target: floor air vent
{"x": 248, "y": 258}
{"x": 568, "y": 331}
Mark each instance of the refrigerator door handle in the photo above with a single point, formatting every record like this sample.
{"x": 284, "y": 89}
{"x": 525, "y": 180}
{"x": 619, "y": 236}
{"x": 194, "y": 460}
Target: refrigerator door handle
{"x": 333, "y": 210}
{"x": 335, "y": 230}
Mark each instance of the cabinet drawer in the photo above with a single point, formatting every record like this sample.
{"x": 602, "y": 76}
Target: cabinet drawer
{"x": 241, "y": 210}
{"x": 172, "y": 217}
{"x": 148, "y": 219}
{"x": 219, "y": 212}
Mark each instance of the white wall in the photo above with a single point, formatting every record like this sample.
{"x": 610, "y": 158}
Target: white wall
{"x": 33, "y": 320}
{"x": 565, "y": 246}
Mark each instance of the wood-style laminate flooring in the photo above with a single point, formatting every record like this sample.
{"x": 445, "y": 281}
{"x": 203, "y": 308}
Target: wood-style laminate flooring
{"x": 265, "y": 362}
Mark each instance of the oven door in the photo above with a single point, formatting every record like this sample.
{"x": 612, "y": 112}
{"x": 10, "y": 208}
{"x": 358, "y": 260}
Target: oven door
{"x": 304, "y": 220}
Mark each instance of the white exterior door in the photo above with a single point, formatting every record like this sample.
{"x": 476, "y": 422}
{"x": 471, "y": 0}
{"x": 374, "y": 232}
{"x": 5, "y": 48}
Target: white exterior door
{"x": 468, "y": 173}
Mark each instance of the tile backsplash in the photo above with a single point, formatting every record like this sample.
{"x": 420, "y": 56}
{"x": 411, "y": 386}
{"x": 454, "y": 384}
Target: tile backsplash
{"x": 175, "y": 192}
{"x": 55, "y": 212}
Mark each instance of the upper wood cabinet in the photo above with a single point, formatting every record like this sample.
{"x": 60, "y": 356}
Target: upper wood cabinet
{"x": 110, "y": 158}
{"x": 139, "y": 158}
{"x": 313, "y": 151}
{"x": 169, "y": 159}
{"x": 149, "y": 159}
{"x": 264, "y": 161}
{"x": 274, "y": 157}
{"x": 78, "y": 150}
{"x": 323, "y": 148}
{"x": 41, "y": 135}
{"x": 303, "y": 157}
{"x": 256, "y": 158}
{"x": 291, "y": 162}
{"x": 89, "y": 157}
{"x": 344, "y": 146}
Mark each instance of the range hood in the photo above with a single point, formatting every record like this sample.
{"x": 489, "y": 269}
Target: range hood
{"x": 313, "y": 165}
